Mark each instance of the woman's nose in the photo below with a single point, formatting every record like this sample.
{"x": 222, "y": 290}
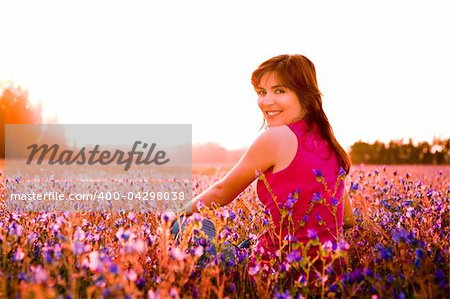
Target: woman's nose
{"x": 267, "y": 100}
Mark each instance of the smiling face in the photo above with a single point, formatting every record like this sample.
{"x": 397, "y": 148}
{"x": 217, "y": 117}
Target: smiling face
{"x": 279, "y": 105}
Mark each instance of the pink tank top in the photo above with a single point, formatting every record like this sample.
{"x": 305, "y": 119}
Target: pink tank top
{"x": 315, "y": 157}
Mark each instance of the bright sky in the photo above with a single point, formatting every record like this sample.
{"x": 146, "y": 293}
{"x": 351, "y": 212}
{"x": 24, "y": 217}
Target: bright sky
{"x": 383, "y": 67}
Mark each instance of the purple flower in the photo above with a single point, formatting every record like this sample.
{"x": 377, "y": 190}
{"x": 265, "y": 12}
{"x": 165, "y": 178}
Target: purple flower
{"x": 15, "y": 229}
{"x": 230, "y": 287}
{"x": 317, "y": 197}
{"x": 113, "y": 268}
{"x": 317, "y": 173}
{"x": 18, "y": 255}
{"x": 312, "y": 234}
{"x": 284, "y": 267}
{"x": 284, "y": 295}
{"x": 140, "y": 283}
{"x": 334, "y": 201}
{"x": 319, "y": 219}
{"x": 386, "y": 253}
{"x": 305, "y": 218}
{"x": 242, "y": 255}
{"x": 39, "y": 274}
{"x": 290, "y": 203}
{"x": 342, "y": 172}
{"x": 354, "y": 186}
{"x": 168, "y": 216}
{"x": 290, "y": 238}
{"x": 254, "y": 269}
{"x": 293, "y": 257}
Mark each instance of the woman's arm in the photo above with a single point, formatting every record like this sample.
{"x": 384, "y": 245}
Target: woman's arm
{"x": 261, "y": 155}
{"x": 349, "y": 219}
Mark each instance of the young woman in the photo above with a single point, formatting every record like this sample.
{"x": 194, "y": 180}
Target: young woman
{"x": 297, "y": 154}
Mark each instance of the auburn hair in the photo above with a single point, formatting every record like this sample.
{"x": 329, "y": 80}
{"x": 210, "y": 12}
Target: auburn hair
{"x": 298, "y": 73}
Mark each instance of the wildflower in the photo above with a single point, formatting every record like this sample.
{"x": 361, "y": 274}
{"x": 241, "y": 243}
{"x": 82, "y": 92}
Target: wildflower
{"x": 242, "y": 255}
{"x": 317, "y": 173}
{"x": 284, "y": 295}
{"x": 131, "y": 275}
{"x": 343, "y": 245}
{"x": 131, "y": 216}
{"x": 290, "y": 203}
{"x": 342, "y": 172}
{"x": 328, "y": 245}
{"x": 401, "y": 235}
{"x": 137, "y": 246}
{"x": 79, "y": 234}
{"x": 198, "y": 251}
{"x": 113, "y": 268}
{"x": 284, "y": 267}
{"x": 317, "y": 197}
{"x": 304, "y": 220}
{"x": 15, "y": 229}
{"x": 334, "y": 201}
{"x": 177, "y": 254}
{"x": 333, "y": 288}
{"x": 319, "y": 219}
{"x": 140, "y": 283}
{"x": 39, "y": 274}
{"x": 440, "y": 277}
{"x": 290, "y": 238}
{"x": 386, "y": 253}
{"x": 357, "y": 275}
{"x": 78, "y": 248}
{"x": 202, "y": 242}
{"x": 302, "y": 281}
{"x": 230, "y": 287}
{"x": 123, "y": 235}
{"x": 354, "y": 186}
{"x": 94, "y": 261}
{"x": 47, "y": 251}
{"x": 293, "y": 257}
{"x": 254, "y": 269}
{"x": 22, "y": 276}
{"x": 312, "y": 234}
{"x": 18, "y": 255}
{"x": 167, "y": 217}
{"x": 368, "y": 272}
{"x": 153, "y": 294}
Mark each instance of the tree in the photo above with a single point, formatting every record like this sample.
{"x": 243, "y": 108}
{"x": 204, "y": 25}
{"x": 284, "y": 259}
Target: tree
{"x": 15, "y": 108}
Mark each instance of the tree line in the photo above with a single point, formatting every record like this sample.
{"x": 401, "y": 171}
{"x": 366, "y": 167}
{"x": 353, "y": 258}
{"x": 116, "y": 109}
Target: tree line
{"x": 399, "y": 152}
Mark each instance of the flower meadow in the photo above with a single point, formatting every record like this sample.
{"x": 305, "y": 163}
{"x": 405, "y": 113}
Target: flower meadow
{"x": 399, "y": 247}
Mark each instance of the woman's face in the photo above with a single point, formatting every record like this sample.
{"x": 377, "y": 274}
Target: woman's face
{"x": 279, "y": 105}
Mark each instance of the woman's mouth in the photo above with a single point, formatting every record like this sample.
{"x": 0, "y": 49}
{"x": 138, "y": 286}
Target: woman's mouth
{"x": 273, "y": 113}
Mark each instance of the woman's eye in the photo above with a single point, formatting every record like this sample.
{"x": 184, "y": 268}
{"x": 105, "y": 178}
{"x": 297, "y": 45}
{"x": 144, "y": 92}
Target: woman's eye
{"x": 279, "y": 91}
{"x": 260, "y": 92}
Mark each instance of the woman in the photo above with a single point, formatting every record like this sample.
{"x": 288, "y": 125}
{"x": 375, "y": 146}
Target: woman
{"x": 299, "y": 161}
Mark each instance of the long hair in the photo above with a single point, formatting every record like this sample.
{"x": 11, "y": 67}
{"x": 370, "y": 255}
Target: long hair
{"x": 298, "y": 73}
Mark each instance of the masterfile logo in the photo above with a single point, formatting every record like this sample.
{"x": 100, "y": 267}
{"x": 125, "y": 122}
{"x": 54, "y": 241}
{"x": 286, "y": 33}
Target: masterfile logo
{"x": 111, "y": 168}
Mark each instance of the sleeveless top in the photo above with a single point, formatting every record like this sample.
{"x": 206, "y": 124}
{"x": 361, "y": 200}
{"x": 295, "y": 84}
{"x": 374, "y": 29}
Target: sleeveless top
{"x": 312, "y": 211}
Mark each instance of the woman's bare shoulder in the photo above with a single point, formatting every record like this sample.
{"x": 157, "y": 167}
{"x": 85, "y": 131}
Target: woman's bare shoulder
{"x": 278, "y": 133}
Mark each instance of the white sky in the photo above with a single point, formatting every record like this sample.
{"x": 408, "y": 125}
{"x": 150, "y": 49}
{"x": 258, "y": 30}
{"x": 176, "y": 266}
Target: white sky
{"x": 384, "y": 67}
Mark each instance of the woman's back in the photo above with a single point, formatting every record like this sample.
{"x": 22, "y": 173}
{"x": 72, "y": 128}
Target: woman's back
{"x": 314, "y": 176}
